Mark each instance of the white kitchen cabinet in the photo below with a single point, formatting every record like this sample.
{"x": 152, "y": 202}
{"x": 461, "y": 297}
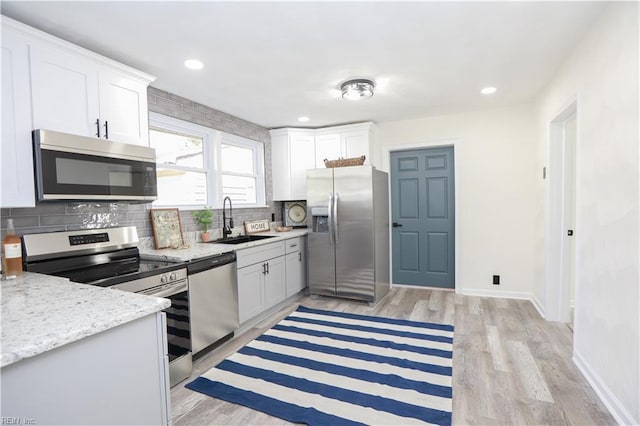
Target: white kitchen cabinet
{"x": 123, "y": 104}
{"x": 356, "y": 143}
{"x": 89, "y": 98}
{"x": 292, "y": 153}
{"x": 16, "y": 157}
{"x": 74, "y": 90}
{"x": 48, "y": 83}
{"x": 261, "y": 279}
{"x": 70, "y": 105}
{"x": 348, "y": 141}
{"x": 328, "y": 147}
{"x": 275, "y": 290}
{"x": 118, "y": 376}
{"x": 251, "y": 298}
{"x": 295, "y": 265}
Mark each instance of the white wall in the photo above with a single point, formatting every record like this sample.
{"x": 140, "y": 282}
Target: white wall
{"x": 495, "y": 159}
{"x": 602, "y": 74}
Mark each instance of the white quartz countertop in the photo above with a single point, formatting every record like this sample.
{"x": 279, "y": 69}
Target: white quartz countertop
{"x": 41, "y": 312}
{"x": 200, "y": 250}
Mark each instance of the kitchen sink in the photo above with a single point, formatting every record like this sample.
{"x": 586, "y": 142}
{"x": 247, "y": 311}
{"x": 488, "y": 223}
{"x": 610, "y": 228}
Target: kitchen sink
{"x": 242, "y": 239}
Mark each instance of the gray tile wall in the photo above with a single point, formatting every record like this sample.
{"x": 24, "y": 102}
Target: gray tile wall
{"x": 61, "y": 216}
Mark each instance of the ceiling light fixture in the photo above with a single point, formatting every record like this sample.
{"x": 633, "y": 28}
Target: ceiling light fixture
{"x": 488, "y": 90}
{"x": 193, "y": 64}
{"x": 303, "y": 119}
{"x": 354, "y": 90}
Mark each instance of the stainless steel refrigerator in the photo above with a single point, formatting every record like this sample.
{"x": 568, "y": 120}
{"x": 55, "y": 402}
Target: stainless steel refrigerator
{"x": 348, "y": 232}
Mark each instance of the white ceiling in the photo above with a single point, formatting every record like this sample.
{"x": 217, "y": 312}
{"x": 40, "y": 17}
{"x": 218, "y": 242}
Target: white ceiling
{"x": 271, "y": 62}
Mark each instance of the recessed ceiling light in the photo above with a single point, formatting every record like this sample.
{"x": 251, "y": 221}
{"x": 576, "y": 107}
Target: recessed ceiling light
{"x": 488, "y": 90}
{"x": 193, "y": 64}
{"x": 303, "y": 119}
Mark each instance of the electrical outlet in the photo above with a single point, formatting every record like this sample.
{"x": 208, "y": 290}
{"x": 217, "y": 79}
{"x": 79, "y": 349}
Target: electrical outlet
{"x": 496, "y": 280}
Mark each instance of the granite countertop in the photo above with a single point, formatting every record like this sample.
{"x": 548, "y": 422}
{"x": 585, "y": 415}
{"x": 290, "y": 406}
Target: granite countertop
{"x": 200, "y": 250}
{"x": 42, "y": 312}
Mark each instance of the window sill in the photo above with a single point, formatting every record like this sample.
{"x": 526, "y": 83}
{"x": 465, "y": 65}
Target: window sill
{"x": 196, "y": 207}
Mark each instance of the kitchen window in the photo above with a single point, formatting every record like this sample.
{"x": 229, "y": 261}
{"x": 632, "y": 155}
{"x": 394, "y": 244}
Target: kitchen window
{"x": 199, "y": 166}
{"x": 241, "y": 168}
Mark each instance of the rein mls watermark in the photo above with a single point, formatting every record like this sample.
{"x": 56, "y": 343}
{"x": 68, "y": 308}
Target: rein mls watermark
{"x": 17, "y": 421}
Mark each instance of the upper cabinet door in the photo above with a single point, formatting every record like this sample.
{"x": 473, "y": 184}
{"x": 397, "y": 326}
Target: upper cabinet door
{"x": 16, "y": 171}
{"x": 301, "y": 148}
{"x": 356, "y": 144}
{"x": 292, "y": 153}
{"x": 64, "y": 92}
{"x": 123, "y": 108}
{"x": 327, "y": 147}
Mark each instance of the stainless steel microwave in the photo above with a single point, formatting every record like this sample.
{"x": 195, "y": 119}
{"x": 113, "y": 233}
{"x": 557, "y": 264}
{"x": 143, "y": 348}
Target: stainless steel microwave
{"x": 72, "y": 167}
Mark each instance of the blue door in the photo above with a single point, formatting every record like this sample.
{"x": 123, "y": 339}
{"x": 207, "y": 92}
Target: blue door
{"x": 423, "y": 213}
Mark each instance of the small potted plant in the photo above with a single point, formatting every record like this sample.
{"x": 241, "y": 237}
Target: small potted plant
{"x": 204, "y": 218}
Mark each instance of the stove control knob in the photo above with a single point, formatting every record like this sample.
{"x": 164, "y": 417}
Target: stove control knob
{"x": 173, "y": 276}
{"x": 163, "y": 279}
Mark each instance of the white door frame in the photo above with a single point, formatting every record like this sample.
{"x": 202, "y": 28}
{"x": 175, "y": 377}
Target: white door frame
{"x": 561, "y": 168}
{"x": 386, "y": 165}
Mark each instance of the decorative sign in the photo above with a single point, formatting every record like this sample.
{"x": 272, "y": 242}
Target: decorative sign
{"x": 167, "y": 228}
{"x": 256, "y": 226}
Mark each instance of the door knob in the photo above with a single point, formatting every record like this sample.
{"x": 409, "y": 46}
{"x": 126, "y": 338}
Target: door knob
{"x": 396, "y": 224}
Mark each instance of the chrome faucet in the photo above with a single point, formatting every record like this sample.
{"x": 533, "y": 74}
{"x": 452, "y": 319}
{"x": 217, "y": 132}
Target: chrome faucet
{"x": 226, "y": 230}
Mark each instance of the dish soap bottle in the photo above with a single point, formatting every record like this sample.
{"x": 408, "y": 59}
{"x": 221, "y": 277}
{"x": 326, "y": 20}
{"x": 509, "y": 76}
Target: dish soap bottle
{"x": 12, "y": 252}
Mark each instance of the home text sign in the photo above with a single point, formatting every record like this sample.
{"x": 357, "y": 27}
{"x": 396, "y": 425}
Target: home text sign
{"x": 256, "y": 226}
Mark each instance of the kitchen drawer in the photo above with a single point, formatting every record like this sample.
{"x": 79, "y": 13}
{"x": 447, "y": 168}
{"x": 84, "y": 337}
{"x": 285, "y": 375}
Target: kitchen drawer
{"x": 293, "y": 245}
{"x": 261, "y": 253}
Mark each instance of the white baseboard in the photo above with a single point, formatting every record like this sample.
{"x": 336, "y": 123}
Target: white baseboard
{"x": 521, "y": 295}
{"x": 613, "y": 404}
{"x": 538, "y": 306}
{"x": 421, "y": 287}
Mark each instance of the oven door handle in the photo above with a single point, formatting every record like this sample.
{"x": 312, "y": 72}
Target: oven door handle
{"x": 167, "y": 290}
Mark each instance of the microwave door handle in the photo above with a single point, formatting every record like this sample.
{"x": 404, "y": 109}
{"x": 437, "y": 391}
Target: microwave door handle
{"x": 330, "y": 218}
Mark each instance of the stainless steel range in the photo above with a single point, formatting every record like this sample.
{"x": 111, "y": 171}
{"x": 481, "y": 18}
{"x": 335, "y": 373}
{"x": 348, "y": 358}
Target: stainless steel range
{"x": 110, "y": 258}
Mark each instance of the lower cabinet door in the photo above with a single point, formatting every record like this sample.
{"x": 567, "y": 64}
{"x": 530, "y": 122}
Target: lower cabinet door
{"x": 295, "y": 281}
{"x": 275, "y": 283}
{"x": 251, "y": 297}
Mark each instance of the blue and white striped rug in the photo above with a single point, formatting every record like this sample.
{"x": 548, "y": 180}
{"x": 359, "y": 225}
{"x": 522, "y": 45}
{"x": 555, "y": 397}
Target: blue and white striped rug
{"x": 331, "y": 368}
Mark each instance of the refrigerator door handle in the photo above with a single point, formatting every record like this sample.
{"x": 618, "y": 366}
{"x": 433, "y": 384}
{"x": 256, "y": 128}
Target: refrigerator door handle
{"x": 336, "y": 223}
{"x": 330, "y": 219}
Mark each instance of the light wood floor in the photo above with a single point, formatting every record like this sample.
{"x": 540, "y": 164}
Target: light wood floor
{"x": 510, "y": 366}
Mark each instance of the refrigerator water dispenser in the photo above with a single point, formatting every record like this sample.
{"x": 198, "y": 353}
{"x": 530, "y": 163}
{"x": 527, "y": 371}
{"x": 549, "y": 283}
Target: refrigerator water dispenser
{"x": 320, "y": 216}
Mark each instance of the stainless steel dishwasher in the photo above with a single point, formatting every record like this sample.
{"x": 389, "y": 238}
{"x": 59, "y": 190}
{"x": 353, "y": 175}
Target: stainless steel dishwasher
{"x": 213, "y": 300}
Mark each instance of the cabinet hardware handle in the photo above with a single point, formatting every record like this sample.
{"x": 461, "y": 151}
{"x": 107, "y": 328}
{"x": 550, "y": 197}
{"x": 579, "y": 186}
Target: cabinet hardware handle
{"x": 267, "y": 267}
{"x": 106, "y": 129}
{"x": 98, "y": 127}
{"x": 300, "y": 257}
{"x": 264, "y": 268}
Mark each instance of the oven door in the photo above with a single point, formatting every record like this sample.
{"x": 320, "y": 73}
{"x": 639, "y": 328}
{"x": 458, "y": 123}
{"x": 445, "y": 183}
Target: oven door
{"x": 178, "y": 328}
{"x": 81, "y": 168}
